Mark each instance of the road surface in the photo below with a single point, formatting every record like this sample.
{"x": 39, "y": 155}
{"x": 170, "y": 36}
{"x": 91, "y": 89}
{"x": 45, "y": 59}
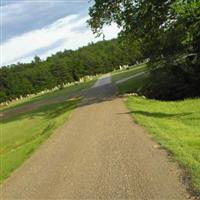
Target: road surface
{"x": 100, "y": 153}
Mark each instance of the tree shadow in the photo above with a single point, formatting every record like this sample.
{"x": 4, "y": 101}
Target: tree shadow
{"x": 51, "y": 108}
{"x": 158, "y": 114}
{"x": 50, "y": 111}
{"x": 47, "y": 98}
{"x": 61, "y": 104}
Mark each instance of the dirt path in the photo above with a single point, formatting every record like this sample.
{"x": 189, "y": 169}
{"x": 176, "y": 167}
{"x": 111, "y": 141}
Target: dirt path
{"x": 99, "y": 154}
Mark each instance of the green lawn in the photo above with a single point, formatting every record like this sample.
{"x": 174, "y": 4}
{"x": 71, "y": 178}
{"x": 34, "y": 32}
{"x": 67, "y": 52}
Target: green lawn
{"x": 22, "y": 134}
{"x": 132, "y": 85}
{"x": 66, "y": 91}
{"x": 117, "y": 75}
{"x": 174, "y": 125}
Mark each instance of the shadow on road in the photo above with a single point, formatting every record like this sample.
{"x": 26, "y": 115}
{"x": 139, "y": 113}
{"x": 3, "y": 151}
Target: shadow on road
{"x": 59, "y": 104}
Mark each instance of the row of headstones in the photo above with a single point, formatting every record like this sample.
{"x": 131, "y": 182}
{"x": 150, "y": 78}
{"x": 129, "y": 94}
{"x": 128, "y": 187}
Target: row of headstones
{"x": 123, "y": 67}
{"x": 58, "y": 87}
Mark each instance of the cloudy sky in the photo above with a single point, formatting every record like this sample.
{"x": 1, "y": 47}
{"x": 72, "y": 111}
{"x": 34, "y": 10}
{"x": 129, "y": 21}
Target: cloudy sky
{"x": 43, "y": 27}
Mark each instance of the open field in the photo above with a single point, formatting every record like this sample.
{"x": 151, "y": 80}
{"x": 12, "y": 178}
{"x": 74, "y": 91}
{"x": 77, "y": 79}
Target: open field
{"x": 174, "y": 125}
{"x": 63, "y": 92}
{"x": 118, "y": 75}
{"x": 22, "y": 134}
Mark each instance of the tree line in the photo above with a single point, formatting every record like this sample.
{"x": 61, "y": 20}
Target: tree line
{"x": 164, "y": 31}
{"x": 64, "y": 67}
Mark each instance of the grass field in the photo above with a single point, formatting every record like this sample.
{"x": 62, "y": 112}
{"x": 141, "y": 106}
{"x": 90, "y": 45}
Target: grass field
{"x": 118, "y": 75}
{"x": 174, "y": 125}
{"x": 23, "y": 133}
{"x": 132, "y": 85}
{"x": 66, "y": 91}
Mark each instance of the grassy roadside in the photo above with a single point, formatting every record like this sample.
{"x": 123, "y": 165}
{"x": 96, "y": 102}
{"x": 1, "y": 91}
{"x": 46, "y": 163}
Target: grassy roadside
{"x": 22, "y": 134}
{"x": 117, "y": 75}
{"x": 132, "y": 85}
{"x": 174, "y": 125}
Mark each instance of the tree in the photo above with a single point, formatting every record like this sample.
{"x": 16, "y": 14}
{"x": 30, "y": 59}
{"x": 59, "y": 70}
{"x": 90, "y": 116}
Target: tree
{"x": 167, "y": 32}
{"x": 63, "y": 67}
{"x": 36, "y": 60}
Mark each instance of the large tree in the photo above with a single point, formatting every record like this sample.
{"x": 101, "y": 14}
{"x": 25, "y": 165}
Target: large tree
{"x": 168, "y": 33}
{"x": 153, "y": 21}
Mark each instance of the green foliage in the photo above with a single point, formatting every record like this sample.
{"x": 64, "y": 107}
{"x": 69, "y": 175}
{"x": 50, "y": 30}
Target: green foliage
{"x": 176, "y": 126}
{"x": 145, "y": 21}
{"x": 51, "y": 95}
{"x": 68, "y": 66}
{"x": 165, "y": 31}
{"x": 177, "y": 78}
{"x": 188, "y": 14}
{"x": 37, "y": 60}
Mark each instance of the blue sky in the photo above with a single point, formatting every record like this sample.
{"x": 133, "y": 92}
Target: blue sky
{"x": 40, "y": 27}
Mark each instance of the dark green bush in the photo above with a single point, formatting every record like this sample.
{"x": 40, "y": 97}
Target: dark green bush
{"x": 173, "y": 79}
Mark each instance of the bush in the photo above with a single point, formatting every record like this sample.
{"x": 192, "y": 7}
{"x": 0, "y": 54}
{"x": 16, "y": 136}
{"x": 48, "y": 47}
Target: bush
{"x": 174, "y": 79}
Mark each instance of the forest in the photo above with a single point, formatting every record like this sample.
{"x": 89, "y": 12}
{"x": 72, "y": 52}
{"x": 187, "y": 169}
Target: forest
{"x": 64, "y": 67}
{"x": 166, "y": 32}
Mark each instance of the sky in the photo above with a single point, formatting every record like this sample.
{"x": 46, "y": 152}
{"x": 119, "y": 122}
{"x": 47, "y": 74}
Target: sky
{"x": 44, "y": 27}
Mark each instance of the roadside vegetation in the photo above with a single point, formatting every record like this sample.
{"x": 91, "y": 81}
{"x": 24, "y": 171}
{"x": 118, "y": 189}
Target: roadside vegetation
{"x": 50, "y": 95}
{"x": 120, "y": 74}
{"x": 23, "y": 133}
{"x": 167, "y": 33}
{"x": 164, "y": 32}
{"x": 175, "y": 125}
{"x": 22, "y": 79}
{"x": 133, "y": 85}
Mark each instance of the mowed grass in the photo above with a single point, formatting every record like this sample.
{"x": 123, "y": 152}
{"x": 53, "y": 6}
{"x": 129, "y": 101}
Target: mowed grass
{"x": 174, "y": 125}
{"x": 132, "y": 85}
{"x": 22, "y": 134}
{"x": 118, "y": 75}
{"x": 62, "y": 92}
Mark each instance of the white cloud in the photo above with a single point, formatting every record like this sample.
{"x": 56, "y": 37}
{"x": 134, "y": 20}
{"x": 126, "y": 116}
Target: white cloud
{"x": 66, "y": 29}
